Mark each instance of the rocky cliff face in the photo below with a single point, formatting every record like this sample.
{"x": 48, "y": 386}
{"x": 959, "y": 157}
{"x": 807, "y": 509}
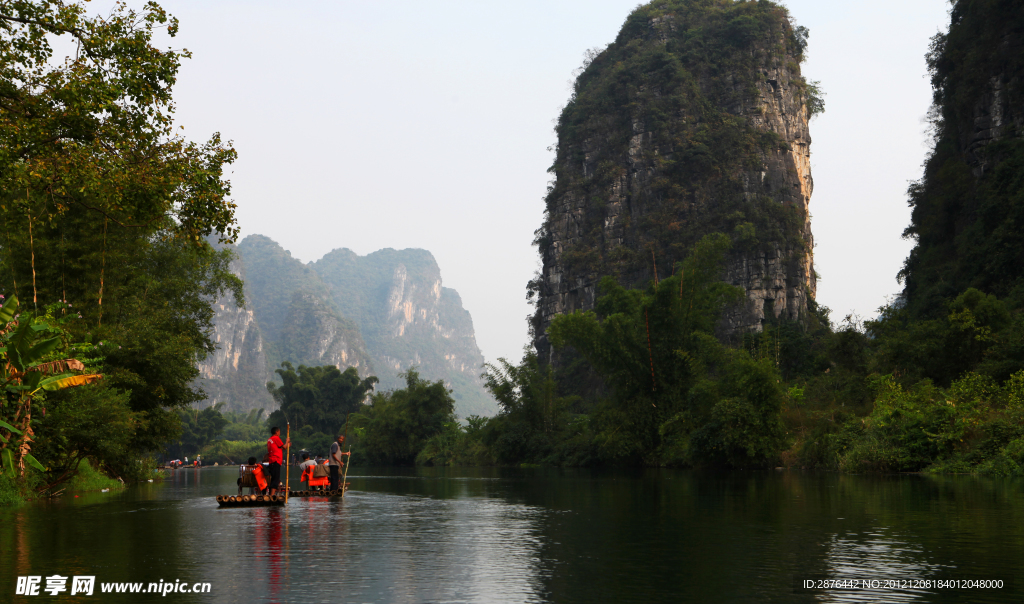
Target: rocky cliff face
{"x": 693, "y": 121}
{"x": 409, "y": 319}
{"x": 314, "y": 334}
{"x": 300, "y": 320}
{"x": 382, "y": 313}
{"x": 237, "y": 373}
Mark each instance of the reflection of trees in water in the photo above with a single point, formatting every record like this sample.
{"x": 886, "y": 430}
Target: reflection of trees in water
{"x": 124, "y": 537}
{"x": 877, "y": 556}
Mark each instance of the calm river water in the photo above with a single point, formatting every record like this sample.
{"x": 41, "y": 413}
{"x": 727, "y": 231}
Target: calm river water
{"x": 497, "y": 535}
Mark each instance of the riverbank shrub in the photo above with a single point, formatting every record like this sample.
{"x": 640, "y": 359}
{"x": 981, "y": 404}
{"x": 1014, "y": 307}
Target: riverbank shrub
{"x": 397, "y": 424}
{"x": 678, "y": 395}
{"x": 744, "y": 427}
{"x": 9, "y": 492}
{"x": 533, "y": 414}
{"x": 89, "y": 478}
{"x": 975, "y": 425}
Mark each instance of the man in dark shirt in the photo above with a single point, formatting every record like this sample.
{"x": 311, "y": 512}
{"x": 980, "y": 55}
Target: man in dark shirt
{"x": 275, "y": 455}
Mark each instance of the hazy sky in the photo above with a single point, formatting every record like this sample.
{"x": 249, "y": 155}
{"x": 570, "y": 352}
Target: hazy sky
{"x": 428, "y": 124}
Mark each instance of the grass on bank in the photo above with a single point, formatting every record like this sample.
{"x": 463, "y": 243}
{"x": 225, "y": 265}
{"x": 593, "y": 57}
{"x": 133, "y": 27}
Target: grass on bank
{"x": 88, "y": 479}
{"x": 91, "y": 479}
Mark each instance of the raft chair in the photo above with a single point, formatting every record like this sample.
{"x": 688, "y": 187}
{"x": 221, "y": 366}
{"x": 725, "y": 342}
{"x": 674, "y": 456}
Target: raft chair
{"x": 310, "y": 475}
{"x": 251, "y": 477}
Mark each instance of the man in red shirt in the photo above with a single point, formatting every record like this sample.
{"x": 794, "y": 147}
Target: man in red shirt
{"x": 275, "y": 455}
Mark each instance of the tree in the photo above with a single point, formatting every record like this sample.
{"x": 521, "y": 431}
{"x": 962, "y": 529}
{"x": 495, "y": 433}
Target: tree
{"x": 678, "y": 394}
{"x": 32, "y": 362}
{"x": 973, "y": 335}
{"x": 107, "y": 210}
{"x": 95, "y": 131}
{"x": 527, "y": 390}
{"x": 198, "y": 429}
{"x": 533, "y": 415}
{"x": 94, "y": 422}
{"x": 318, "y": 397}
{"x": 399, "y": 423}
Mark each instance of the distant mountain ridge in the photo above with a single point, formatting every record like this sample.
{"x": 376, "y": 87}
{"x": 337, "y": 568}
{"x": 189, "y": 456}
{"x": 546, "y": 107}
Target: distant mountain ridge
{"x": 381, "y": 313}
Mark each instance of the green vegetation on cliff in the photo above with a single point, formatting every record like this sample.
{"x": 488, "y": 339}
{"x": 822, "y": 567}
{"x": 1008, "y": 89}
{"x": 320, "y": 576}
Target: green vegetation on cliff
{"x": 409, "y": 319}
{"x": 298, "y": 319}
{"x": 962, "y": 308}
{"x": 968, "y": 208}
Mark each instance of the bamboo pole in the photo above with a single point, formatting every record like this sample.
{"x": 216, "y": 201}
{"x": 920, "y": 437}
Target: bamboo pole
{"x": 287, "y": 459}
{"x": 345, "y": 475}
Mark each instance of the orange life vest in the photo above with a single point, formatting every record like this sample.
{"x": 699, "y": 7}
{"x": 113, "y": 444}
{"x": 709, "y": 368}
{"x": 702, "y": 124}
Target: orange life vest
{"x": 307, "y": 476}
{"x": 257, "y": 472}
{"x": 318, "y": 482}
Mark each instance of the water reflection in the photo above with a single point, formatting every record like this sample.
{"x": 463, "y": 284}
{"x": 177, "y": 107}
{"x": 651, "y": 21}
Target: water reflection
{"x": 488, "y": 535}
{"x": 371, "y": 547}
{"x": 878, "y": 556}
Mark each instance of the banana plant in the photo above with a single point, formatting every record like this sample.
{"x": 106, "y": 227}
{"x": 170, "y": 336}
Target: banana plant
{"x": 24, "y": 374}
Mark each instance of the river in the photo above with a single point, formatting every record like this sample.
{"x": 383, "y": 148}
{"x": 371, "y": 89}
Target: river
{"x": 533, "y": 535}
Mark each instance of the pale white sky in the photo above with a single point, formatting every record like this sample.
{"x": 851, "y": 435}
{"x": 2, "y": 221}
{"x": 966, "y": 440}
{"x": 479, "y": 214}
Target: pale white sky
{"x": 427, "y": 124}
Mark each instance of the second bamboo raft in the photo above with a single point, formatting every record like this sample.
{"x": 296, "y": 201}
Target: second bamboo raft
{"x": 335, "y": 493}
{"x": 249, "y": 500}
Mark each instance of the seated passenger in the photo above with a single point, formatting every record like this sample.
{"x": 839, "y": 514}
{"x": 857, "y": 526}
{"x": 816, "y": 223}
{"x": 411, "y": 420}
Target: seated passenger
{"x": 317, "y": 475}
{"x": 307, "y": 468}
{"x": 252, "y": 475}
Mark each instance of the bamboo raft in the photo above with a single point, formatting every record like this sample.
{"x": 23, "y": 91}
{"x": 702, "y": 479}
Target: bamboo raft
{"x": 335, "y": 493}
{"x": 249, "y": 501}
